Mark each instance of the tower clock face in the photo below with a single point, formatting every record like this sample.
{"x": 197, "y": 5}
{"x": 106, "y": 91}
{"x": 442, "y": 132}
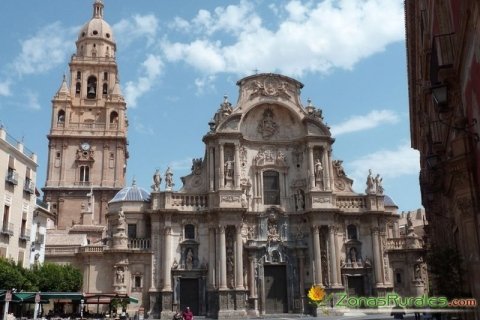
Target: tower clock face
{"x": 85, "y": 146}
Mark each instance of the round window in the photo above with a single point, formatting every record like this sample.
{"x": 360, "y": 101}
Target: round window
{"x": 95, "y": 32}
{"x": 108, "y": 35}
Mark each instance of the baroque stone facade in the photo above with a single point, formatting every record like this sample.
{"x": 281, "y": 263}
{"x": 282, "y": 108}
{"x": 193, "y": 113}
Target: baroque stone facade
{"x": 267, "y": 212}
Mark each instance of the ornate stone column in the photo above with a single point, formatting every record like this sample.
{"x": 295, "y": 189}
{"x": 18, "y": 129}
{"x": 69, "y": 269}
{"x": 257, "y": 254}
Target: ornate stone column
{"x": 211, "y": 173}
{"x": 221, "y": 168}
{"x": 301, "y": 273}
{"x": 223, "y": 259}
{"x": 239, "y": 259}
{"x": 167, "y": 282}
{"x": 311, "y": 167}
{"x": 237, "y": 166}
{"x": 211, "y": 258}
{"x": 333, "y": 256}
{"x": 377, "y": 259}
{"x": 326, "y": 171}
{"x": 317, "y": 256}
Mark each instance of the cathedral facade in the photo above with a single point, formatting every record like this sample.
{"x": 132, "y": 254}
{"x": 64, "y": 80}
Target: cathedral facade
{"x": 264, "y": 215}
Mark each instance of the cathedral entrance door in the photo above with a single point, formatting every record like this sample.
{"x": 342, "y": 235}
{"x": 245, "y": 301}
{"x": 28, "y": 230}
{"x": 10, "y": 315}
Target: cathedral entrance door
{"x": 356, "y": 286}
{"x": 189, "y": 294}
{"x": 275, "y": 289}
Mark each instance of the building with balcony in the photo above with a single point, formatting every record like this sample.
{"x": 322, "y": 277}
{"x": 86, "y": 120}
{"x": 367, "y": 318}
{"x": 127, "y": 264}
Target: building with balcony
{"x": 443, "y": 41}
{"x": 42, "y": 221}
{"x": 17, "y": 198}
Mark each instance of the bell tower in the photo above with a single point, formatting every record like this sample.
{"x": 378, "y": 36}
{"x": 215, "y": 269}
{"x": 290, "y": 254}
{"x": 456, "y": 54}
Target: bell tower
{"x": 88, "y": 135}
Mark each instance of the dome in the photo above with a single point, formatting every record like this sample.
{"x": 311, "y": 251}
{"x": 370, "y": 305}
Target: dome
{"x": 388, "y": 202}
{"x": 97, "y": 28}
{"x": 133, "y": 193}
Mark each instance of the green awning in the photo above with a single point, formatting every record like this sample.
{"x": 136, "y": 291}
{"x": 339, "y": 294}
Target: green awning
{"x": 74, "y": 296}
{"x": 23, "y": 296}
{"x": 132, "y": 299}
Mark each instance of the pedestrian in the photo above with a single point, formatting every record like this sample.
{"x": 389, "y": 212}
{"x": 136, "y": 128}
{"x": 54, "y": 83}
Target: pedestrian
{"x": 177, "y": 315}
{"x": 398, "y": 312}
{"x": 187, "y": 314}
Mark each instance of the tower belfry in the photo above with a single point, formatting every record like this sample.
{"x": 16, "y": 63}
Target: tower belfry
{"x": 88, "y": 133}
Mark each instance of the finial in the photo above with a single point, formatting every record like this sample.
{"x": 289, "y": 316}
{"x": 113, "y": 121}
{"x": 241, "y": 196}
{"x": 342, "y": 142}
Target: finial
{"x": 225, "y": 98}
{"x": 309, "y": 101}
{"x": 134, "y": 182}
{"x": 255, "y": 70}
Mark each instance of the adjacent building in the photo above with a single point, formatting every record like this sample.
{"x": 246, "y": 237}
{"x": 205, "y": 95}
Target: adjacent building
{"x": 18, "y": 165}
{"x": 443, "y": 41}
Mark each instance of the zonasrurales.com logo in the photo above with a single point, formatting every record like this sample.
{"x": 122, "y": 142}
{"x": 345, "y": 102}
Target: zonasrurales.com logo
{"x": 391, "y": 299}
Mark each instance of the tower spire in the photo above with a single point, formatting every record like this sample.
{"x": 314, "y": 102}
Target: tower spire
{"x": 98, "y": 9}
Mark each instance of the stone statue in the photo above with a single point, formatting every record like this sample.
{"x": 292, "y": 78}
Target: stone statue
{"x": 370, "y": 183}
{"x": 318, "y": 169}
{"x": 300, "y": 200}
{"x": 189, "y": 259}
{"x": 378, "y": 184}
{"x": 157, "y": 180}
{"x": 417, "y": 272}
{"x": 244, "y": 199}
{"x": 120, "y": 274}
{"x": 337, "y": 164}
{"x": 229, "y": 169}
{"x": 121, "y": 220}
{"x": 169, "y": 179}
{"x": 175, "y": 264}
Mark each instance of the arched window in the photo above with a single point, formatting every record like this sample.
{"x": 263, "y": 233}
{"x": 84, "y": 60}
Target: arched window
{"x": 79, "y": 75}
{"x": 92, "y": 87}
{"x": 84, "y": 173}
{"x": 352, "y": 232}
{"x": 78, "y": 88}
{"x": 189, "y": 231}
{"x": 105, "y": 88}
{"x": 271, "y": 187}
{"x": 61, "y": 116}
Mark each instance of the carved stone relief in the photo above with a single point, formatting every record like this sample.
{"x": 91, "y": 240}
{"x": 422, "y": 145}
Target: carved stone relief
{"x": 267, "y": 127}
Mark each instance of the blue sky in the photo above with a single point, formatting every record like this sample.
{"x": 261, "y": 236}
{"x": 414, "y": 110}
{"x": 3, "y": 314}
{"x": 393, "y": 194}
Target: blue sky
{"x": 178, "y": 58}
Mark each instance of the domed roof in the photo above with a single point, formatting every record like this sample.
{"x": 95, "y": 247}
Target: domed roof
{"x": 388, "y": 202}
{"x": 97, "y": 28}
{"x": 133, "y": 193}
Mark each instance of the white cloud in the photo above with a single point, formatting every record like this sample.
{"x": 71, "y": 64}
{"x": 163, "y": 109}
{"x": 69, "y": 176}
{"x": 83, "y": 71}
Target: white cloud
{"x": 205, "y": 84}
{"x": 388, "y": 163}
{"x": 313, "y": 38}
{"x": 32, "y": 102}
{"x": 5, "y": 88}
{"x": 358, "y": 123}
{"x": 152, "y": 68}
{"x": 138, "y": 26}
{"x": 140, "y": 127}
{"x": 48, "y": 48}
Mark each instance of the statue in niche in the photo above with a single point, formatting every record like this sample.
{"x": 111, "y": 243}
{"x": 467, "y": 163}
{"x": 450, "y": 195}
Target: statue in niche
{"x": 169, "y": 179}
{"x": 157, "y": 180}
{"x": 281, "y": 159}
{"x": 353, "y": 255}
{"x": 189, "y": 259}
{"x": 121, "y": 220}
{"x": 244, "y": 199}
{"x": 273, "y": 234}
{"x": 318, "y": 169}
{"x": 417, "y": 272}
{"x": 120, "y": 275}
{"x": 370, "y": 183}
{"x": 229, "y": 169}
{"x": 300, "y": 200}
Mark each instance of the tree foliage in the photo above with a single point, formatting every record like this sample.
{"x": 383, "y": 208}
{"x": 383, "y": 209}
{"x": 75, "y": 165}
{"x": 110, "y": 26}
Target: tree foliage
{"x": 60, "y": 278}
{"x": 46, "y": 277}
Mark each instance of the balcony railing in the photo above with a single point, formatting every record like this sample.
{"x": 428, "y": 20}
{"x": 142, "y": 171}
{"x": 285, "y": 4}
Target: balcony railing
{"x": 7, "y": 229}
{"x": 139, "y": 244}
{"x": 24, "y": 235}
{"x": 351, "y": 202}
{"x": 12, "y": 177}
{"x": 61, "y": 251}
{"x": 189, "y": 201}
{"x": 91, "y": 249}
{"x": 29, "y": 186}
